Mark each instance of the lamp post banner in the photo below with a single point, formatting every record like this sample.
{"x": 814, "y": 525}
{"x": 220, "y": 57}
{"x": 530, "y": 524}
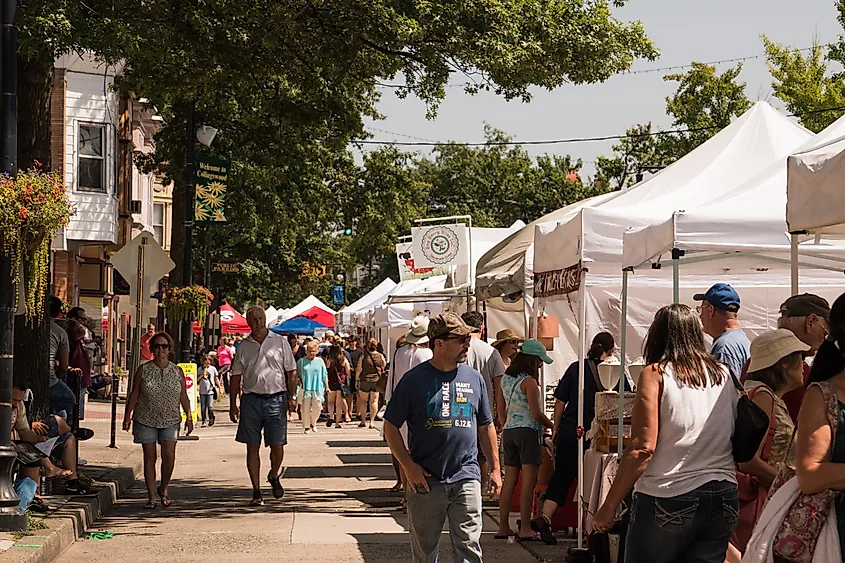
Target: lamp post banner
{"x": 212, "y": 181}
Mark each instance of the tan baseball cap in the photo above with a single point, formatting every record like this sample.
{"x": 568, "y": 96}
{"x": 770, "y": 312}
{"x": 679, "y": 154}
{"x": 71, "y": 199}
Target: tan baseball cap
{"x": 448, "y": 324}
{"x": 771, "y": 346}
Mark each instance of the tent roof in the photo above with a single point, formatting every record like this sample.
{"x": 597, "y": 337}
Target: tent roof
{"x": 320, "y": 315}
{"x": 814, "y": 186}
{"x": 736, "y": 154}
{"x": 500, "y": 270}
{"x": 306, "y": 304}
{"x": 231, "y": 321}
{"x": 375, "y": 296}
{"x": 749, "y": 218}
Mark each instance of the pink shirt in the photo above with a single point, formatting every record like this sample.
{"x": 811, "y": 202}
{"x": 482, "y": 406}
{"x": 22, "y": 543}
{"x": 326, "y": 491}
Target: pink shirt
{"x": 224, "y": 356}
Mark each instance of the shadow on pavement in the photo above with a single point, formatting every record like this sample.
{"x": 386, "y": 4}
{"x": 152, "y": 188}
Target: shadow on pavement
{"x": 356, "y": 443}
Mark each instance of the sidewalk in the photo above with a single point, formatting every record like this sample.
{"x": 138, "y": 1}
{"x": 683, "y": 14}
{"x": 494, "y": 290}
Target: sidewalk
{"x": 112, "y": 470}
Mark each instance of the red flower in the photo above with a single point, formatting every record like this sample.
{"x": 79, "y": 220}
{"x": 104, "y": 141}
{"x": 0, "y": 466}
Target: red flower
{"x": 22, "y": 212}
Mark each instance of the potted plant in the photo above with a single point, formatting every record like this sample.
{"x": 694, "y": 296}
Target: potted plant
{"x": 183, "y": 303}
{"x": 34, "y": 205}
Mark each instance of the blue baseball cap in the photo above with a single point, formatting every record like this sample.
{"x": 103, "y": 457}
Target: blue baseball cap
{"x": 722, "y": 296}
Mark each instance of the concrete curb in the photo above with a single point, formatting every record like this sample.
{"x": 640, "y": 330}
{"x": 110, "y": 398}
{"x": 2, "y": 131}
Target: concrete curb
{"x": 71, "y": 520}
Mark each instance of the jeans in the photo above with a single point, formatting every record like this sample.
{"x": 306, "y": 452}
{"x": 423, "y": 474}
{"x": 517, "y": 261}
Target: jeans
{"x": 207, "y": 407}
{"x": 461, "y": 502}
{"x": 691, "y": 528}
{"x": 62, "y": 400}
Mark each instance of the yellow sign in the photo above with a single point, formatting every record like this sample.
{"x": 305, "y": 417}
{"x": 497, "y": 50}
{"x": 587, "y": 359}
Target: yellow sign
{"x": 190, "y": 371}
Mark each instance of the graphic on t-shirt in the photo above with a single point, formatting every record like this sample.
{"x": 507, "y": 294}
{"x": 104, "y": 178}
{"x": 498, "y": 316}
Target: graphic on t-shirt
{"x": 450, "y": 406}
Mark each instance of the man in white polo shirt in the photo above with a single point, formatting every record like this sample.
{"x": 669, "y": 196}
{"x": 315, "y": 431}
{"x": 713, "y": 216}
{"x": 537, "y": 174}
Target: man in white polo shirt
{"x": 265, "y": 369}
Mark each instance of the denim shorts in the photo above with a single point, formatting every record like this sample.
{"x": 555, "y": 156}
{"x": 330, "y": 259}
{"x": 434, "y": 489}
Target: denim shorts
{"x": 269, "y": 414}
{"x": 148, "y": 435}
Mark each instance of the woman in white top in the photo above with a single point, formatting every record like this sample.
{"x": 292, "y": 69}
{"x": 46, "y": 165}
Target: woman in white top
{"x": 679, "y": 462}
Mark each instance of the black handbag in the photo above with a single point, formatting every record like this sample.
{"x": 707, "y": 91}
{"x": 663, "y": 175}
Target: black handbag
{"x": 750, "y": 426}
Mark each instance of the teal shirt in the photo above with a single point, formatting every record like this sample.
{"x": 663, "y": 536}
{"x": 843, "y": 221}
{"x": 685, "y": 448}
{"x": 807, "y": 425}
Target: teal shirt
{"x": 519, "y": 411}
{"x": 314, "y": 377}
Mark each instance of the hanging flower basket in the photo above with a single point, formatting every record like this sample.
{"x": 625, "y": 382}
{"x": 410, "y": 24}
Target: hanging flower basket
{"x": 182, "y": 303}
{"x": 34, "y": 205}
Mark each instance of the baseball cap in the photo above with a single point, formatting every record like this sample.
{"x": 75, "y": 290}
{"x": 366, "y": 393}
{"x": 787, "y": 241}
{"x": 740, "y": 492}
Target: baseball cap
{"x": 535, "y": 348}
{"x": 722, "y": 296}
{"x": 805, "y": 305}
{"x": 447, "y": 324}
{"x": 771, "y": 346}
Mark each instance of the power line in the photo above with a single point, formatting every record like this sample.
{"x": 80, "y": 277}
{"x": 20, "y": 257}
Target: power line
{"x": 430, "y": 143}
{"x": 648, "y": 70}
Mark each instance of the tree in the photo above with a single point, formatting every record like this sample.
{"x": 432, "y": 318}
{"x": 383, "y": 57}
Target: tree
{"x": 804, "y": 85}
{"x": 703, "y": 104}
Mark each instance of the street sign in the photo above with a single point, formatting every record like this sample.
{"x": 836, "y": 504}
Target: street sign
{"x": 212, "y": 181}
{"x": 226, "y": 267}
{"x": 337, "y": 295}
{"x": 190, "y": 371}
{"x": 156, "y": 264}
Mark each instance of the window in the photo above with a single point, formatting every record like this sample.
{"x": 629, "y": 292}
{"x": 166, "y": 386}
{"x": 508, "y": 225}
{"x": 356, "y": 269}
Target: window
{"x": 158, "y": 222}
{"x": 91, "y": 169}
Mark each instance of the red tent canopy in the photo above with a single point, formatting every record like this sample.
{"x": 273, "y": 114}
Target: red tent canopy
{"x": 322, "y": 316}
{"x": 231, "y": 322}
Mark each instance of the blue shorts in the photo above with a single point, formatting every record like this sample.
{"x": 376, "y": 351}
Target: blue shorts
{"x": 148, "y": 435}
{"x": 269, "y": 414}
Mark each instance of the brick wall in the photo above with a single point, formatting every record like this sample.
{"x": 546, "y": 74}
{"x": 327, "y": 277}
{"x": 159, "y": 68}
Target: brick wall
{"x": 57, "y": 121}
{"x": 65, "y": 276}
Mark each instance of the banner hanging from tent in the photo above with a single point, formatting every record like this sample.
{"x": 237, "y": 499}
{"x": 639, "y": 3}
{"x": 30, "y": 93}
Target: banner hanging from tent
{"x": 408, "y": 269}
{"x": 558, "y": 282}
{"x": 440, "y": 245}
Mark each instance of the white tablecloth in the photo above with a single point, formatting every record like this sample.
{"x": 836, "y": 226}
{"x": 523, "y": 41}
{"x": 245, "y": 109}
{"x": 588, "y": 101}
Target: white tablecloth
{"x": 599, "y": 472}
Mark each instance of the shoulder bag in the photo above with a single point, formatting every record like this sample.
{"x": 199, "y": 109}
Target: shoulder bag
{"x": 752, "y": 495}
{"x": 381, "y": 380}
{"x": 750, "y": 426}
{"x": 595, "y": 371}
{"x": 798, "y": 535}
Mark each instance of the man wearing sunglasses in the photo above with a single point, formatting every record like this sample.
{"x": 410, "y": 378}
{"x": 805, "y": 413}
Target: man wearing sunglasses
{"x": 444, "y": 403}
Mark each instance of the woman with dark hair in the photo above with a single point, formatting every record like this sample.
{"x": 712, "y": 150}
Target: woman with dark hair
{"x": 520, "y": 405}
{"x": 776, "y": 368}
{"x": 369, "y": 372}
{"x": 507, "y": 343}
{"x": 152, "y": 411}
{"x": 565, "y": 435}
{"x": 338, "y": 368}
{"x": 820, "y": 462}
{"x": 680, "y": 459}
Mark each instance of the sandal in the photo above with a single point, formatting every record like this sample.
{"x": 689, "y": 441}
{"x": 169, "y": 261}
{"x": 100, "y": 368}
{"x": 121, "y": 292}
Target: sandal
{"x": 503, "y": 536}
{"x": 165, "y": 500}
{"x": 396, "y": 488}
{"x": 151, "y": 504}
{"x": 60, "y": 475}
{"x": 362, "y": 424}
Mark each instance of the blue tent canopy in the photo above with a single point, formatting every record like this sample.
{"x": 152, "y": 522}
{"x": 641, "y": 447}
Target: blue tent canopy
{"x": 297, "y": 325}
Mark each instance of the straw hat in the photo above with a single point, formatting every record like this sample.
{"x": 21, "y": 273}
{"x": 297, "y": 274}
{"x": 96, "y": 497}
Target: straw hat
{"x": 770, "y": 347}
{"x": 418, "y": 333}
{"x": 507, "y": 334}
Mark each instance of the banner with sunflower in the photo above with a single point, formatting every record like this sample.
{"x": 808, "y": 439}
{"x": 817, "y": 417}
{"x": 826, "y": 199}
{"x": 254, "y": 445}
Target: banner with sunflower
{"x": 212, "y": 179}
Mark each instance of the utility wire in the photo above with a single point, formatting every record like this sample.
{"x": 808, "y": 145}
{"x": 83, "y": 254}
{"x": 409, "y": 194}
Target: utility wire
{"x": 430, "y": 143}
{"x": 647, "y": 70}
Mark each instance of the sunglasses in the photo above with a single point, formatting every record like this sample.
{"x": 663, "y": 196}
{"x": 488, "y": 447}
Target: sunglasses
{"x": 161, "y": 346}
{"x": 461, "y": 339}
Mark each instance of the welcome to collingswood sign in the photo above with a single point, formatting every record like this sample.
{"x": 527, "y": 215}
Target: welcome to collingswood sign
{"x": 558, "y": 282}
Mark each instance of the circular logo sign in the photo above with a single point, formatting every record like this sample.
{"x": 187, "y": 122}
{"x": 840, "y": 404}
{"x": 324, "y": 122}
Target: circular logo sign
{"x": 227, "y": 316}
{"x": 440, "y": 245}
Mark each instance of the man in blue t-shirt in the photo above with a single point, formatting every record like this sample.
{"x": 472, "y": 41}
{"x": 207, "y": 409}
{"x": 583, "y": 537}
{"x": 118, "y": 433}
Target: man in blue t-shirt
{"x": 718, "y": 312}
{"x": 444, "y": 402}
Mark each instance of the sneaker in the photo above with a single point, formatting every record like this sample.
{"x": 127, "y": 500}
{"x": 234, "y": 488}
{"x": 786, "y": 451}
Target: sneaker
{"x": 257, "y": 499}
{"x": 81, "y": 462}
{"x": 76, "y": 487}
{"x": 329, "y": 423}
{"x": 278, "y": 489}
{"x": 313, "y": 429}
{"x": 211, "y": 422}
{"x": 308, "y": 431}
{"x": 543, "y": 526}
{"x": 203, "y": 424}
{"x": 83, "y": 434}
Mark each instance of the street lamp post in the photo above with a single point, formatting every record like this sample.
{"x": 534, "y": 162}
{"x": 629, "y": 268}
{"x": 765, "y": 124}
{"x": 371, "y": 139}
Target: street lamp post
{"x": 12, "y": 518}
{"x": 187, "y": 334}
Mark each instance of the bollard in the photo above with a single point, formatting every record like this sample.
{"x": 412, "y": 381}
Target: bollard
{"x": 115, "y": 383}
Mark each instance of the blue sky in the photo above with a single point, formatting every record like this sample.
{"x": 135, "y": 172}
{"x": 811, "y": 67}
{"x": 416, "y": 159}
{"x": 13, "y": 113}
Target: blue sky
{"x": 683, "y": 31}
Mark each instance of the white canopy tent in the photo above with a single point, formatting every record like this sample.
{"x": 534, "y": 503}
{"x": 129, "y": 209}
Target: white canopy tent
{"x": 742, "y": 230}
{"x": 271, "y": 313}
{"x": 378, "y": 294}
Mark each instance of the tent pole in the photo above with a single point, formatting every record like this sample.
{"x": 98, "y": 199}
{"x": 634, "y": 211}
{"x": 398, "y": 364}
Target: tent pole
{"x": 676, "y": 274}
{"x": 793, "y": 254}
{"x": 623, "y": 335}
{"x": 582, "y": 345}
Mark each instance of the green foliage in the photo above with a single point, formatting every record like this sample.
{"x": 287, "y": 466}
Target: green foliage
{"x": 804, "y": 85}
